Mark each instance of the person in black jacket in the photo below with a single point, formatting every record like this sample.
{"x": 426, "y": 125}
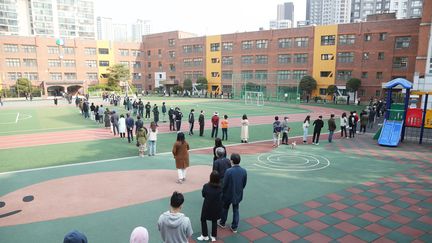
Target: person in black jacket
{"x": 201, "y": 123}
{"x": 212, "y": 206}
{"x": 178, "y": 118}
{"x": 218, "y": 143}
{"x": 222, "y": 163}
{"x": 129, "y": 127}
{"x": 171, "y": 117}
{"x": 191, "y": 121}
{"x": 155, "y": 114}
{"x": 138, "y": 124}
{"x": 164, "y": 110}
{"x": 147, "y": 108}
{"x": 318, "y": 124}
{"x": 352, "y": 124}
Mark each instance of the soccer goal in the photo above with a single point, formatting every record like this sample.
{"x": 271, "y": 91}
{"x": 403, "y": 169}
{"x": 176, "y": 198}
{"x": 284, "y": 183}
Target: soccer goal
{"x": 254, "y": 98}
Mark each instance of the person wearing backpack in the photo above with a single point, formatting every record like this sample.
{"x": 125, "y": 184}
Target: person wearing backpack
{"x": 277, "y": 128}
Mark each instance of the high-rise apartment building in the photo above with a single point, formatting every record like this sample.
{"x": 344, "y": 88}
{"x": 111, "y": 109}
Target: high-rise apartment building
{"x": 56, "y": 18}
{"x": 104, "y": 28}
{"x": 140, "y": 28}
{"x": 325, "y": 12}
{"x": 120, "y": 32}
{"x": 403, "y": 8}
{"x": 285, "y": 16}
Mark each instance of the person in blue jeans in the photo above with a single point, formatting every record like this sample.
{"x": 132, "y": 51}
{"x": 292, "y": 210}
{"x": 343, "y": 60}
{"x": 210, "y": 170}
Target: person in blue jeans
{"x": 232, "y": 191}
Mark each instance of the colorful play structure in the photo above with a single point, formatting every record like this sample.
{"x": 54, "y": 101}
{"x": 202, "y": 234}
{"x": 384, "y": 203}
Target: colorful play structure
{"x": 400, "y": 117}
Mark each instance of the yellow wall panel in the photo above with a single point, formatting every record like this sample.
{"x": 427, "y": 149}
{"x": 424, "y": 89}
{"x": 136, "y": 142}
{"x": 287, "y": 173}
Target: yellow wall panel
{"x": 104, "y": 57}
{"x": 213, "y": 67}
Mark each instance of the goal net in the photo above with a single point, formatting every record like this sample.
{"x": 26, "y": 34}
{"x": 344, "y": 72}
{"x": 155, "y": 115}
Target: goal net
{"x": 254, "y": 98}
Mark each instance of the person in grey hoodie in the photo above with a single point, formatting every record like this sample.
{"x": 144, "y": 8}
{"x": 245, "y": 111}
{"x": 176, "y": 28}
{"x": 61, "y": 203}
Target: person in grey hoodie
{"x": 173, "y": 225}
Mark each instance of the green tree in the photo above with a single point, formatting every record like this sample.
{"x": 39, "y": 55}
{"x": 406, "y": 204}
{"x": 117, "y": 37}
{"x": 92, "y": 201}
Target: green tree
{"x": 308, "y": 84}
{"x": 187, "y": 84}
{"x": 353, "y": 85}
{"x": 117, "y": 73}
{"x": 23, "y": 86}
{"x": 177, "y": 89}
{"x": 331, "y": 89}
{"x": 202, "y": 83}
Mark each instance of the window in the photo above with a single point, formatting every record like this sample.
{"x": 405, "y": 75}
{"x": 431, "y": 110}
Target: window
{"x": 365, "y": 56}
{"x": 364, "y": 75}
{"x": 261, "y": 59}
{"x": 29, "y": 62}
{"x": 227, "y": 75}
{"x": 301, "y": 58}
{"x": 284, "y": 58}
{"x": 227, "y": 46}
{"x": 327, "y": 57}
{"x": 136, "y": 53}
{"x": 187, "y": 62}
{"x": 262, "y": 44}
{"x": 301, "y": 41}
{"x": 214, "y": 46}
{"x": 103, "y": 63}
{"x": 103, "y": 51}
{"x": 344, "y": 75}
{"x": 55, "y": 63}
{"x": 198, "y": 48}
{"x": 197, "y": 61}
{"x": 10, "y": 48}
{"x": 246, "y": 75}
{"x": 187, "y": 49}
{"x": 378, "y": 93}
{"x": 323, "y": 91}
{"x": 325, "y": 74}
{"x": 90, "y": 51}
{"x": 136, "y": 64}
{"x": 361, "y": 92}
{"x": 247, "y": 59}
{"x": 402, "y": 42}
{"x": 92, "y": 76}
{"x": 31, "y": 76}
{"x": 70, "y": 76}
{"x": 172, "y": 67}
{"x": 261, "y": 75}
{"x": 53, "y": 50}
{"x": 160, "y": 65}
{"x": 148, "y": 53}
{"x": 172, "y": 54}
{"x": 400, "y": 62}
{"x": 124, "y": 63}
{"x": 367, "y": 37}
{"x": 379, "y": 75}
{"x": 187, "y": 75}
{"x": 136, "y": 76}
{"x": 13, "y": 76}
{"x": 284, "y": 43}
{"x": 382, "y": 36}
{"x": 197, "y": 74}
{"x": 55, "y": 76}
{"x": 171, "y": 42}
{"x": 283, "y": 75}
{"x": 68, "y": 50}
{"x": 68, "y": 63}
{"x": 124, "y": 52}
{"x": 215, "y": 74}
{"x": 215, "y": 60}
{"x": 346, "y": 39}
{"x": 29, "y": 49}
{"x": 328, "y": 40}
{"x": 12, "y": 62}
{"x": 149, "y": 76}
{"x": 149, "y": 64}
{"x": 247, "y": 45}
{"x": 299, "y": 74}
{"x": 380, "y": 55}
{"x": 227, "y": 60}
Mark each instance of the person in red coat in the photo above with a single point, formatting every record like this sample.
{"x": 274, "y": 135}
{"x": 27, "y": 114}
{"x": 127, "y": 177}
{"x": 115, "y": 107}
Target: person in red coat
{"x": 215, "y": 125}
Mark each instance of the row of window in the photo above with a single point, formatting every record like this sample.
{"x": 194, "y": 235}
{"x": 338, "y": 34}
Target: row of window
{"x": 68, "y": 50}
{"x": 254, "y": 75}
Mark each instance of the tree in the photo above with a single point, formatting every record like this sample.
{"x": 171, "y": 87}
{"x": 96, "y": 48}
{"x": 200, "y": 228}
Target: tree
{"x": 331, "y": 89}
{"x": 353, "y": 85}
{"x": 308, "y": 84}
{"x": 202, "y": 83}
{"x": 117, "y": 73}
{"x": 177, "y": 89}
{"x": 187, "y": 84}
{"x": 23, "y": 86}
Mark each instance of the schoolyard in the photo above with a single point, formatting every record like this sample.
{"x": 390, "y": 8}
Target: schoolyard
{"x": 82, "y": 177}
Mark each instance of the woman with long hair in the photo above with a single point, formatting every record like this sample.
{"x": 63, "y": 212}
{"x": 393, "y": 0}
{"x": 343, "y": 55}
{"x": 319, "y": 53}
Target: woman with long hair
{"x": 306, "y": 125}
{"x": 218, "y": 143}
{"x": 180, "y": 152}
{"x": 152, "y": 138}
{"x": 244, "y": 135}
{"x": 343, "y": 124}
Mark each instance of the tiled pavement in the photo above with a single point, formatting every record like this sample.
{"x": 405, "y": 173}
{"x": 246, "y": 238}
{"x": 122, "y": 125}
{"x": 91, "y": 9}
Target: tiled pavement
{"x": 391, "y": 209}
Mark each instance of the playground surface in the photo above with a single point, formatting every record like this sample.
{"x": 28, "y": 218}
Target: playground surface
{"x": 60, "y": 172}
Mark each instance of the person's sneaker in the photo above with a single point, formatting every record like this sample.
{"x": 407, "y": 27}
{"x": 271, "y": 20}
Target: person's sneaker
{"x": 313, "y": 143}
{"x": 233, "y": 230}
{"x": 221, "y": 225}
{"x": 202, "y": 238}
{"x": 213, "y": 239}
{"x": 184, "y": 179}
{"x": 179, "y": 182}
{"x": 317, "y": 144}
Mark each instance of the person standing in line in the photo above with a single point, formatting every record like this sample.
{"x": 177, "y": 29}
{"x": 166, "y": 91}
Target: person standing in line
{"x": 173, "y": 225}
{"x": 155, "y": 114}
{"x": 215, "y": 125}
{"x": 164, "y": 110}
{"x": 147, "y": 108}
{"x": 212, "y": 206}
{"x": 371, "y": 117}
{"x": 201, "y": 123}
{"x": 138, "y": 124}
{"x": 318, "y": 125}
{"x": 352, "y": 124}
{"x": 244, "y": 135}
{"x": 180, "y": 152}
{"x": 235, "y": 180}
{"x": 178, "y": 118}
{"x": 114, "y": 122}
{"x": 343, "y": 125}
{"x": 277, "y": 127}
{"x": 86, "y": 109}
{"x": 285, "y": 130}
{"x": 129, "y": 127}
{"x": 141, "y": 137}
{"x": 141, "y": 108}
{"x": 107, "y": 119}
{"x": 135, "y": 108}
{"x": 122, "y": 126}
{"x": 55, "y": 101}
{"x": 332, "y": 127}
{"x": 222, "y": 163}
{"x": 218, "y": 144}
{"x": 92, "y": 111}
{"x": 191, "y": 121}
{"x": 152, "y": 138}
{"x": 96, "y": 114}
{"x": 171, "y": 117}
{"x": 139, "y": 235}
{"x": 356, "y": 120}
{"x": 363, "y": 121}
{"x": 224, "y": 125}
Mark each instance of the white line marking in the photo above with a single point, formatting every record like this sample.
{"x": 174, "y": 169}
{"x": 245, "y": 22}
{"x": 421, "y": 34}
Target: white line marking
{"x": 17, "y": 117}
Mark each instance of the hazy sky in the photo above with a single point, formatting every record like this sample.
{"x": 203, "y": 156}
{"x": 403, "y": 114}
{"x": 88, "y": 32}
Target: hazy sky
{"x": 203, "y": 17}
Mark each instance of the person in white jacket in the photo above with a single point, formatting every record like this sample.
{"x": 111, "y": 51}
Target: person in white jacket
{"x": 343, "y": 125}
{"x": 152, "y": 138}
{"x": 306, "y": 124}
{"x": 122, "y": 126}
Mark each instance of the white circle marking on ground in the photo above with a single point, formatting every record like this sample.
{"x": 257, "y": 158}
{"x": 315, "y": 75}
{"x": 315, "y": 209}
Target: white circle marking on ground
{"x": 292, "y": 161}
